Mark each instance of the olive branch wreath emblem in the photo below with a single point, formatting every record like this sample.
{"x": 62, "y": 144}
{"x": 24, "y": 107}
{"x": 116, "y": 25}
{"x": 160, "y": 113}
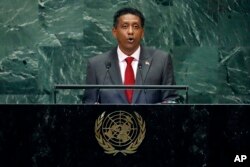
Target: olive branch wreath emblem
{"x": 109, "y": 148}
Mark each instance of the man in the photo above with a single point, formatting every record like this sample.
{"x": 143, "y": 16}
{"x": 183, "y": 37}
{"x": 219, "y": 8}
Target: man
{"x": 129, "y": 63}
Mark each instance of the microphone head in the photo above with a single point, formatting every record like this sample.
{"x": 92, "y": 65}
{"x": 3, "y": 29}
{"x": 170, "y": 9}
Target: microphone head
{"x": 140, "y": 65}
{"x": 108, "y": 64}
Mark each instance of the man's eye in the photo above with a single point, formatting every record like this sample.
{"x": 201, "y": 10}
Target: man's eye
{"x": 124, "y": 26}
{"x": 136, "y": 26}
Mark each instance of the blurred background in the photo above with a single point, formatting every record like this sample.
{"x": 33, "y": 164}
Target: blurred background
{"x": 47, "y": 42}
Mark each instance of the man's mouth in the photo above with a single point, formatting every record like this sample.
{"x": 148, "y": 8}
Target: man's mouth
{"x": 130, "y": 40}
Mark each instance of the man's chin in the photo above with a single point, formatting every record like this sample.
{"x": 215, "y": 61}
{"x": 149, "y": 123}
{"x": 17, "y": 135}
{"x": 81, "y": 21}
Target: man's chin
{"x": 131, "y": 50}
{"x": 131, "y": 47}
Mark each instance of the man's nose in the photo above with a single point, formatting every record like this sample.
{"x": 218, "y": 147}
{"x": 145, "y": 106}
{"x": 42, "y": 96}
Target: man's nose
{"x": 130, "y": 30}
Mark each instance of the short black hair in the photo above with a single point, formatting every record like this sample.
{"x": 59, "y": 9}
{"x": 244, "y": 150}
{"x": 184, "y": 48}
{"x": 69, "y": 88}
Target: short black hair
{"x": 128, "y": 10}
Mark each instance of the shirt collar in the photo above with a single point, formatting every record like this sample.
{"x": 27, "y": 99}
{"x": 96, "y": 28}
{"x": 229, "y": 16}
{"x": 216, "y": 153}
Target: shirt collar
{"x": 122, "y": 56}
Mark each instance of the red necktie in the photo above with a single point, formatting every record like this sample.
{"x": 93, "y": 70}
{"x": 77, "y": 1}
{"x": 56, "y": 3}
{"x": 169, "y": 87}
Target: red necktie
{"x": 129, "y": 78}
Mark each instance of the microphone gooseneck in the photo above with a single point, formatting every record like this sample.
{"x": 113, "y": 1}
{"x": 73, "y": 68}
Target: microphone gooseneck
{"x": 107, "y": 65}
{"x": 144, "y": 90}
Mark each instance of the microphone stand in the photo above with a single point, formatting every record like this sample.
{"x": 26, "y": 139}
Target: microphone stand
{"x": 107, "y": 65}
{"x": 144, "y": 90}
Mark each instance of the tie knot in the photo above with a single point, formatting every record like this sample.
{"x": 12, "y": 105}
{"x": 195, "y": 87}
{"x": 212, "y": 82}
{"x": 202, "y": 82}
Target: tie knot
{"x": 129, "y": 60}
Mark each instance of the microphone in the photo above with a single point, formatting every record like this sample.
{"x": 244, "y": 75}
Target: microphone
{"x": 107, "y": 65}
{"x": 144, "y": 90}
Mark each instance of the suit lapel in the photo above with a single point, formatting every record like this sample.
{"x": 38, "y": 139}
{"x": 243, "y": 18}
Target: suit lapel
{"x": 146, "y": 61}
{"x": 115, "y": 74}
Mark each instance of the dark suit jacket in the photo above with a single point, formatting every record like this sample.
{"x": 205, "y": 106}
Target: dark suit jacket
{"x": 156, "y": 69}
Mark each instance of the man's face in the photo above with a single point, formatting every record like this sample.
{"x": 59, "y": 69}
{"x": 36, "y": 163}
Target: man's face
{"x": 128, "y": 33}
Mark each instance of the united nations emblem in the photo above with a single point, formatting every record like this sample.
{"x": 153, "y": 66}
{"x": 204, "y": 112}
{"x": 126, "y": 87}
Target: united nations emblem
{"x": 120, "y": 131}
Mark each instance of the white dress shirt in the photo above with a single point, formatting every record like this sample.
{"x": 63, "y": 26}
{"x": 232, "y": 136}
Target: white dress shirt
{"x": 123, "y": 63}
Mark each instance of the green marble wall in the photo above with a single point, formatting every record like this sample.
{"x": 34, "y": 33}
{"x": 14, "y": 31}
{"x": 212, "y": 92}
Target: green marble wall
{"x": 47, "y": 42}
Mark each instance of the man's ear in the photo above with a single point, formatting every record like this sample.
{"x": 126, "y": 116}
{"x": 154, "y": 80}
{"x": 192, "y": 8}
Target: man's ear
{"x": 114, "y": 31}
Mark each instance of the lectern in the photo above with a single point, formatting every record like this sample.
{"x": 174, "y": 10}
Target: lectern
{"x": 173, "y": 135}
